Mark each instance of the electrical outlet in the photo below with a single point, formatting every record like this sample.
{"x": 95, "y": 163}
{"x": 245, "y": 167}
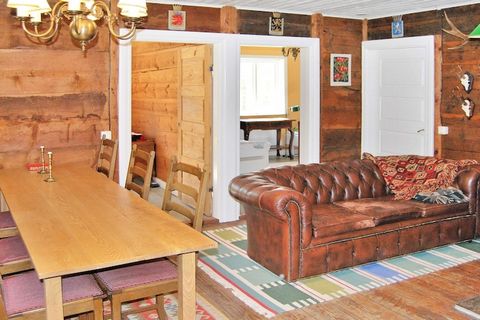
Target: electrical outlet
{"x": 442, "y": 130}
{"x": 105, "y": 134}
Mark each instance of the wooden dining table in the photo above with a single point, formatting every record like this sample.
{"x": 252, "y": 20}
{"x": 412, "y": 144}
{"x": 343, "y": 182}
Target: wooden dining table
{"x": 85, "y": 222}
{"x": 277, "y": 124}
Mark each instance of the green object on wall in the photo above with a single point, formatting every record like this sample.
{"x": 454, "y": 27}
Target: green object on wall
{"x": 295, "y": 108}
{"x": 475, "y": 33}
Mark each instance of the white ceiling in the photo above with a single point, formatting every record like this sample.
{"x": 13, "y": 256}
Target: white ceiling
{"x": 355, "y": 9}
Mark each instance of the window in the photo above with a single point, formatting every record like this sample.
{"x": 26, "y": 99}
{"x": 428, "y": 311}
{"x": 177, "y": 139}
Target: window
{"x": 262, "y": 86}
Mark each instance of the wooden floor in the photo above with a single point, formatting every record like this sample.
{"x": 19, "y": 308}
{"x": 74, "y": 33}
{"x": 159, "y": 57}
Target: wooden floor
{"x": 432, "y": 296}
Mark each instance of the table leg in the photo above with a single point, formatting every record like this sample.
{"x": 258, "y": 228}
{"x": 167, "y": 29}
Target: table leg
{"x": 246, "y": 134}
{"x": 279, "y": 134}
{"x": 3, "y": 203}
{"x": 53, "y": 298}
{"x": 290, "y": 144}
{"x": 186, "y": 286}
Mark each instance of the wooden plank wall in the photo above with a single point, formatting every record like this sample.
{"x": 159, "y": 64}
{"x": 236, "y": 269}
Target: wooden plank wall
{"x": 51, "y": 95}
{"x": 256, "y": 22}
{"x": 340, "y": 114}
{"x": 65, "y": 104}
{"x": 462, "y": 140}
{"x": 155, "y": 98}
{"x": 201, "y": 19}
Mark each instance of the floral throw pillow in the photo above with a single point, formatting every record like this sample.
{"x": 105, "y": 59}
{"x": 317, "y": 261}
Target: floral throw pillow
{"x": 408, "y": 175}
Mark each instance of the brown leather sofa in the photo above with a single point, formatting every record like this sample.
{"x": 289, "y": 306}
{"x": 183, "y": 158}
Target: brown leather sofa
{"x": 310, "y": 219}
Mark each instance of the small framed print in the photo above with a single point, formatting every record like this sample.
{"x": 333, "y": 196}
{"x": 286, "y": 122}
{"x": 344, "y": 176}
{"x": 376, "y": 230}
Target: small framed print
{"x": 176, "y": 20}
{"x": 275, "y": 25}
{"x": 397, "y": 29}
{"x": 340, "y": 69}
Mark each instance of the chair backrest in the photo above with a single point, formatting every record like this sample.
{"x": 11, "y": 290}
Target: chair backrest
{"x": 194, "y": 215}
{"x": 108, "y": 153}
{"x": 140, "y": 169}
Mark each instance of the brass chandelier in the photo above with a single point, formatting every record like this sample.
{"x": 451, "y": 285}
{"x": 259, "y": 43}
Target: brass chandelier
{"x": 82, "y": 16}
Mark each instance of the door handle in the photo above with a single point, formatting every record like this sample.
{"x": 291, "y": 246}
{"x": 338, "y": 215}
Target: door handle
{"x": 421, "y": 130}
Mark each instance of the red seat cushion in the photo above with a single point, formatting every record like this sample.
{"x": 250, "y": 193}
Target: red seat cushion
{"x": 383, "y": 210}
{"x": 12, "y": 249}
{"x": 24, "y": 291}
{"x": 135, "y": 275}
{"x": 329, "y": 219}
{"x": 6, "y": 220}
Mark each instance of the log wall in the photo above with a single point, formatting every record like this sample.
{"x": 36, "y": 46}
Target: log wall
{"x": 461, "y": 142}
{"x": 55, "y": 96}
{"x": 51, "y": 95}
{"x": 257, "y": 22}
{"x": 340, "y": 114}
{"x": 201, "y": 19}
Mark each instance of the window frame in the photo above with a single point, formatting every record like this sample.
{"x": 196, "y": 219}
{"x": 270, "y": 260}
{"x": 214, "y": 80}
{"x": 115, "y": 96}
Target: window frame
{"x": 285, "y": 94}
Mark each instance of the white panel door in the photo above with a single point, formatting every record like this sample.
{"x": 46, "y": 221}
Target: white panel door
{"x": 398, "y": 96}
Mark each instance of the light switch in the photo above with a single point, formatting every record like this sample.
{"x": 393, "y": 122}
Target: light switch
{"x": 106, "y": 135}
{"x": 442, "y": 130}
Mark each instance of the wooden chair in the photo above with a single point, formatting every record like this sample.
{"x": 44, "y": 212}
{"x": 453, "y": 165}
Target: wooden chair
{"x": 139, "y": 281}
{"x": 160, "y": 277}
{"x": 22, "y": 296}
{"x": 174, "y": 206}
{"x": 7, "y": 225}
{"x": 13, "y": 256}
{"x": 140, "y": 170}
{"x": 108, "y": 153}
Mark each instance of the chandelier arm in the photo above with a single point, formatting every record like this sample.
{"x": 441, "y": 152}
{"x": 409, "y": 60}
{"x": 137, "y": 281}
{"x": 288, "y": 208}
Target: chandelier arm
{"x": 103, "y": 6}
{"x": 126, "y": 36}
{"x": 55, "y": 17}
{"x": 45, "y": 35}
{"x": 111, "y": 19}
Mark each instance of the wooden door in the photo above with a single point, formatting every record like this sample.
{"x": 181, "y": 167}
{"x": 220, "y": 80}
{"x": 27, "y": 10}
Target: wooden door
{"x": 195, "y": 112}
{"x": 398, "y": 96}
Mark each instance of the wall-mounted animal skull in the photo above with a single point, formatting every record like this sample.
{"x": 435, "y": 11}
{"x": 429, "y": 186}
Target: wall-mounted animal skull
{"x": 467, "y": 81}
{"x": 467, "y": 107}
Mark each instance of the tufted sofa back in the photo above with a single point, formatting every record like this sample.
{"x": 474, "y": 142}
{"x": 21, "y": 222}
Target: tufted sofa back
{"x": 331, "y": 181}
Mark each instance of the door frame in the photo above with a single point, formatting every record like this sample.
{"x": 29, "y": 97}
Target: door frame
{"x": 226, "y": 104}
{"x": 372, "y": 46}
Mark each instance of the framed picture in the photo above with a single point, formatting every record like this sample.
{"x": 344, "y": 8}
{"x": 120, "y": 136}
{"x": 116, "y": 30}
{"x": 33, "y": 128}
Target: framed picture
{"x": 275, "y": 25}
{"x": 340, "y": 69}
{"x": 397, "y": 29}
{"x": 176, "y": 20}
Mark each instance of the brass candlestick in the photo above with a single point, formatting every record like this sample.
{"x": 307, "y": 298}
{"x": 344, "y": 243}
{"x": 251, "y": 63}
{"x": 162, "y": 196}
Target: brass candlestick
{"x": 42, "y": 152}
{"x": 50, "y": 161}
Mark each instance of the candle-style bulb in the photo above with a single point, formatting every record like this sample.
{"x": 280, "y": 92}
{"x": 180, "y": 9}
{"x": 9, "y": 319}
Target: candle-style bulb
{"x": 42, "y": 154}
{"x": 50, "y": 163}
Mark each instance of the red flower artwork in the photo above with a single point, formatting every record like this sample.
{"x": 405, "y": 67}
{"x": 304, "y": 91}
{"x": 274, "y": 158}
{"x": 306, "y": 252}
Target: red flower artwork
{"x": 340, "y": 69}
{"x": 177, "y": 19}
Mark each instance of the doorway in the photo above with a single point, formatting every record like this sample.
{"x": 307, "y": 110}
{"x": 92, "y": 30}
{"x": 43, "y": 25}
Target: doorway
{"x": 226, "y": 115}
{"x": 398, "y": 98}
{"x": 171, "y": 107}
{"x": 269, "y": 103}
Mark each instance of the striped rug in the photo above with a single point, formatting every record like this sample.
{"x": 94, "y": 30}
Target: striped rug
{"x": 204, "y": 310}
{"x": 269, "y": 295}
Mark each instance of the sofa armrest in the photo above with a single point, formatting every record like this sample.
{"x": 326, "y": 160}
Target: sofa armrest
{"x": 468, "y": 180}
{"x": 283, "y": 203}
